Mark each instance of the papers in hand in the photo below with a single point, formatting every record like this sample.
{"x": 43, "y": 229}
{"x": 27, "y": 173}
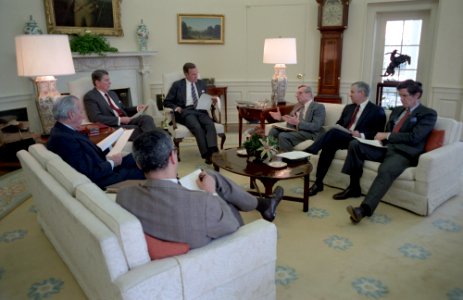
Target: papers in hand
{"x": 283, "y": 126}
{"x": 119, "y": 138}
{"x": 140, "y": 112}
{"x": 204, "y": 102}
{"x": 189, "y": 181}
{"x": 339, "y": 127}
{"x": 375, "y": 143}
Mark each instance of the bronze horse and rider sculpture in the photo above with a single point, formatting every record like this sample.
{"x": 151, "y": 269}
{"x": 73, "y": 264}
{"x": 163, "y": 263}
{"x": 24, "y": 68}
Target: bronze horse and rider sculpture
{"x": 396, "y": 61}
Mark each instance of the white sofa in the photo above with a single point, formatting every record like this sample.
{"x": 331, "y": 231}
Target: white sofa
{"x": 420, "y": 189}
{"x": 104, "y": 247}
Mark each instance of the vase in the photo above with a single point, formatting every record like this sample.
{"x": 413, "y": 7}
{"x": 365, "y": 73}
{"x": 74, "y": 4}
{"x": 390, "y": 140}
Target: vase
{"x": 32, "y": 27}
{"x": 142, "y": 35}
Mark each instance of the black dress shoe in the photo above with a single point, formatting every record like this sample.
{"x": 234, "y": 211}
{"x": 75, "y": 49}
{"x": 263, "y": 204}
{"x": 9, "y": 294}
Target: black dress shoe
{"x": 267, "y": 206}
{"x": 315, "y": 188}
{"x": 356, "y": 213}
{"x": 347, "y": 193}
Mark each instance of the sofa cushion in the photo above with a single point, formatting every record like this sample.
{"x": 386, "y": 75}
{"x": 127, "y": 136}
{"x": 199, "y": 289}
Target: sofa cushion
{"x": 42, "y": 154}
{"x": 158, "y": 249}
{"x": 124, "y": 225}
{"x": 435, "y": 140}
{"x": 66, "y": 175}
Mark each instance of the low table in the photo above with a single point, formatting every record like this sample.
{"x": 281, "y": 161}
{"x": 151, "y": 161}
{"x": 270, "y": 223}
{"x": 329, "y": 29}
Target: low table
{"x": 229, "y": 160}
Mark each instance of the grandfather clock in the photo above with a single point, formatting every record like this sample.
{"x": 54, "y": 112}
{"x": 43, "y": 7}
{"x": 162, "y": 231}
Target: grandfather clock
{"x": 332, "y": 21}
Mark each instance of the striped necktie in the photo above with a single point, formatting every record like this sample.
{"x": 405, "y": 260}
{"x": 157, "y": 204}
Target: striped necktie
{"x": 401, "y": 121}
{"x": 193, "y": 95}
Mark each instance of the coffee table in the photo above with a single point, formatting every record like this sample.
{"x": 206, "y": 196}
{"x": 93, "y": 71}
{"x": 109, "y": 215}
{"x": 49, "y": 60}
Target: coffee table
{"x": 243, "y": 165}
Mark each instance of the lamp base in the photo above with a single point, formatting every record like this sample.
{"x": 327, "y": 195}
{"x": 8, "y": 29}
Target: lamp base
{"x": 46, "y": 95}
{"x": 279, "y": 84}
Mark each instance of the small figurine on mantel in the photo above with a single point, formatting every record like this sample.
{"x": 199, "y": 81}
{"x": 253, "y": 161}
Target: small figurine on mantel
{"x": 142, "y": 35}
{"x": 32, "y": 27}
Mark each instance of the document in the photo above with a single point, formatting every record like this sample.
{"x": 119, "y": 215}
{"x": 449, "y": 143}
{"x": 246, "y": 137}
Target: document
{"x": 339, "y": 127}
{"x": 375, "y": 143}
{"x": 189, "y": 181}
{"x": 140, "y": 112}
{"x": 284, "y": 126}
{"x": 118, "y": 138}
{"x": 204, "y": 102}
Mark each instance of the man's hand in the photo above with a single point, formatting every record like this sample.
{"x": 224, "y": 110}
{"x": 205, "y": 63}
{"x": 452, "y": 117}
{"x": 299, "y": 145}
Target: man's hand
{"x": 276, "y": 114}
{"x": 293, "y": 120}
{"x": 178, "y": 109}
{"x": 381, "y": 136}
{"x": 206, "y": 182}
{"x": 125, "y": 120}
{"x": 356, "y": 133}
{"x": 214, "y": 99}
{"x": 141, "y": 107}
{"x": 116, "y": 158}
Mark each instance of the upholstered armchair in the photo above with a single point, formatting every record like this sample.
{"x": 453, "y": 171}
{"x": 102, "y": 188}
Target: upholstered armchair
{"x": 179, "y": 131}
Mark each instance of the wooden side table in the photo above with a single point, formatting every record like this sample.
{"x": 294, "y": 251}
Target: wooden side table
{"x": 255, "y": 113}
{"x": 220, "y": 91}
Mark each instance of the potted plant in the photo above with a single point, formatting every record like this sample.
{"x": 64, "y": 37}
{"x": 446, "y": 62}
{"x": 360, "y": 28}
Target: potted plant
{"x": 261, "y": 146}
{"x": 88, "y": 42}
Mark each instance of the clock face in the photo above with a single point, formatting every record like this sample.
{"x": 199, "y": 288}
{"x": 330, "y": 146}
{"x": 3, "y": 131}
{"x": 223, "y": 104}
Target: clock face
{"x": 332, "y": 13}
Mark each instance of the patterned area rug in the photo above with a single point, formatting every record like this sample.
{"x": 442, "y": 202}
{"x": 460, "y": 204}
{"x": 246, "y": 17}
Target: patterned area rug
{"x": 13, "y": 192}
{"x": 393, "y": 255}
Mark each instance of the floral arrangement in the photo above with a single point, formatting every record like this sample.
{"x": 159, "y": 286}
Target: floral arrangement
{"x": 261, "y": 146}
{"x": 88, "y": 42}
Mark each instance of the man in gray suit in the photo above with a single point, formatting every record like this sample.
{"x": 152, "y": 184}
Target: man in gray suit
{"x": 182, "y": 98}
{"x": 171, "y": 212}
{"x": 406, "y": 133}
{"x": 104, "y": 106}
{"x": 306, "y": 120}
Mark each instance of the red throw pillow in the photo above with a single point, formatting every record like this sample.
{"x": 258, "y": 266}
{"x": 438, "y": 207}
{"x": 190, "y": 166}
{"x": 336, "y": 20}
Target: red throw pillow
{"x": 158, "y": 249}
{"x": 435, "y": 140}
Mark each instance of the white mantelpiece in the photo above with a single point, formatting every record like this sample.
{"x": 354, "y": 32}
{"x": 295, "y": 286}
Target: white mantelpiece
{"x": 127, "y": 69}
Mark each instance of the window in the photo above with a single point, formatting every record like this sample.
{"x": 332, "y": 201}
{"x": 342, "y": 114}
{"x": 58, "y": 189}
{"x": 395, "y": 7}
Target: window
{"x": 401, "y": 55}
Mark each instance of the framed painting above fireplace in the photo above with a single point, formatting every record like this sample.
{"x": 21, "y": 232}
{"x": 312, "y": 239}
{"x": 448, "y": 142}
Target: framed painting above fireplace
{"x": 77, "y": 16}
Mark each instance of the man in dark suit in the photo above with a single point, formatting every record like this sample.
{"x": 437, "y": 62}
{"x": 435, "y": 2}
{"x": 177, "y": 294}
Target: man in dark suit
{"x": 104, "y": 106}
{"x": 171, "y": 212}
{"x": 406, "y": 133}
{"x": 359, "y": 119}
{"x": 82, "y": 154}
{"x": 307, "y": 117}
{"x": 182, "y": 99}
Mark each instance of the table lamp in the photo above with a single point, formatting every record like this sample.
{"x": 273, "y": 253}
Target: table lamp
{"x": 42, "y": 57}
{"x": 280, "y": 51}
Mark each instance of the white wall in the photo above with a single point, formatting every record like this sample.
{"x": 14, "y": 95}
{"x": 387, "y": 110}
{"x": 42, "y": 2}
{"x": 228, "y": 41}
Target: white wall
{"x": 238, "y": 63}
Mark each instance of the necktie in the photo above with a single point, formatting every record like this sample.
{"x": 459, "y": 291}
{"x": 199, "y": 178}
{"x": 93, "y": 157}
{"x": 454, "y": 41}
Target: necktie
{"x": 193, "y": 95}
{"x": 401, "y": 122}
{"x": 119, "y": 111}
{"x": 354, "y": 117}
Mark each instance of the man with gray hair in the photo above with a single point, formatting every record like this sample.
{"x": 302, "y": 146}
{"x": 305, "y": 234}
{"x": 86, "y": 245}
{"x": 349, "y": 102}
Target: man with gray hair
{"x": 305, "y": 120}
{"x": 171, "y": 212}
{"x": 361, "y": 118}
{"x": 82, "y": 154}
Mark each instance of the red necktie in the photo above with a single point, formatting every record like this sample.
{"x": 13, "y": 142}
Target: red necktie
{"x": 401, "y": 122}
{"x": 119, "y": 111}
{"x": 354, "y": 117}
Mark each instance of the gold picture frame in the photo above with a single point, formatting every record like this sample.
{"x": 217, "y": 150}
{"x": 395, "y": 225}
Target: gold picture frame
{"x": 76, "y": 16}
{"x": 200, "y": 29}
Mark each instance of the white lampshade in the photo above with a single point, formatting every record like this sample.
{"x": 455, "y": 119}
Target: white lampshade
{"x": 280, "y": 51}
{"x": 43, "y": 55}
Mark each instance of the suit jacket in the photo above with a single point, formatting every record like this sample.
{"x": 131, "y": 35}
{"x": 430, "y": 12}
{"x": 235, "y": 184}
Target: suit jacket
{"x": 313, "y": 119}
{"x": 177, "y": 93}
{"x": 98, "y": 109}
{"x": 171, "y": 212}
{"x": 412, "y": 136}
{"x": 83, "y": 155}
{"x": 370, "y": 122}
{"x": 79, "y": 152}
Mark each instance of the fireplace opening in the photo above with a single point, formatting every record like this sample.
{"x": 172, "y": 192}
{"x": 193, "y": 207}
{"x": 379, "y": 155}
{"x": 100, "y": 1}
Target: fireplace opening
{"x": 124, "y": 95}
